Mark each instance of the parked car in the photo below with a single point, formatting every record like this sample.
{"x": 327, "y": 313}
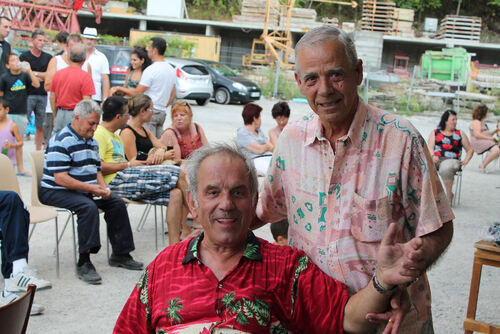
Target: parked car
{"x": 119, "y": 61}
{"x": 193, "y": 80}
{"x": 229, "y": 86}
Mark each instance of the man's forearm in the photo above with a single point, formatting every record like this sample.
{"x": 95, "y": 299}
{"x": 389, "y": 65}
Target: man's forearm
{"x": 66, "y": 181}
{"x": 367, "y": 300}
{"x": 110, "y": 168}
{"x": 435, "y": 243}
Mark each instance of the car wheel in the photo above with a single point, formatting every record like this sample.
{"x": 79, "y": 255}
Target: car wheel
{"x": 202, "y": 102}
{"x": 222, "y": 96}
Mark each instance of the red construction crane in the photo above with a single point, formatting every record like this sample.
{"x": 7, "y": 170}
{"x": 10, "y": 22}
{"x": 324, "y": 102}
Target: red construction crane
{"x": 54, "y": 15}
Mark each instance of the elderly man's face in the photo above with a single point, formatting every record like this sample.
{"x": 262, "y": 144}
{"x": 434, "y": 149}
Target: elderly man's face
{"x": 328, "y": 82}
{"x": 89, "y": 43}
{"x": 225, "y": 208}
{"x": 86, "y": 127}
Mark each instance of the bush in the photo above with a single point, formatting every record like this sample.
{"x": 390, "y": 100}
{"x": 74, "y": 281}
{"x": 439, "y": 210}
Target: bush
{"x": 287, "y": 87}
{"x": 176, "y": 47}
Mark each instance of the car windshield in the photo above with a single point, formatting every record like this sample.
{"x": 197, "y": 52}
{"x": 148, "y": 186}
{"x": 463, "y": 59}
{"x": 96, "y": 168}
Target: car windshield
{"x": 223, "y": 70}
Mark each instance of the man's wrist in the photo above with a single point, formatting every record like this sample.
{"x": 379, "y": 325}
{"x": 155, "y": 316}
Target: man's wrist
{"x": 383, "y": 288}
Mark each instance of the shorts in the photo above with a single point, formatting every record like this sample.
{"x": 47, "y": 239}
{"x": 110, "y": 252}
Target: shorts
{"x": 156, "y": 123}
{"x": 20, "y": 120}
{"x": 48, "y": 125}
{"x": 63, "y": 118}
{"x": 448, "y": 168}
{"x": 37, "y": 104}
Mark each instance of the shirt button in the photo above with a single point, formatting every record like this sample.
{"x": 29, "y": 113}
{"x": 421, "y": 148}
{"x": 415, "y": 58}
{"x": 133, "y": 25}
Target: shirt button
{"x": 219, "y": 286}
{"x": 218, "y": 312}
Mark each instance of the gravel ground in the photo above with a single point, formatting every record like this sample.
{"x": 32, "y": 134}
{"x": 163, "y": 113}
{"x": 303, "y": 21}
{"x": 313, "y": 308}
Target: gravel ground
{"x": 75, "y": 307}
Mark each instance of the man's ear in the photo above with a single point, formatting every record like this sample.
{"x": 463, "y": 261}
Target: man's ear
{"x": 192, "y": 207}
{"x": 359, "y": 70}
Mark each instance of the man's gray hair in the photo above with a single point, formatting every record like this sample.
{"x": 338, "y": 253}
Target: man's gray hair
{"x": 77, "y": 53}
{"x": 194, "y": 161}
{"x": 86, "y": 107}
{"x": 324, "y": 34}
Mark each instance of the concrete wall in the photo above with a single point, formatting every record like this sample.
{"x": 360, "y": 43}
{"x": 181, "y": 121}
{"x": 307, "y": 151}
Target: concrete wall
{"x": 369, "y": 47}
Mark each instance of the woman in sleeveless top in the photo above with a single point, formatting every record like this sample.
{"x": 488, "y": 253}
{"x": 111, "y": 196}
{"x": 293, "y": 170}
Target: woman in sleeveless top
{"x": 10, "y": 136}
{"x": 445, "y": 144}
{"x": 138, "y": 141}
{"x": 281, "y": 114}
{"x": 184, "y": 136}
{"x": 482, "y": 139}
{"x": 139, "y": 60}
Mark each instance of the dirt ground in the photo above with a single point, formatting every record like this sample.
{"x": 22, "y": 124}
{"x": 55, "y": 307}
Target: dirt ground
{"x": 75, "y": 307}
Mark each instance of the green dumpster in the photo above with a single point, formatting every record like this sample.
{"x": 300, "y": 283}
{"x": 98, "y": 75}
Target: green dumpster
{"x": 445, "y": 65}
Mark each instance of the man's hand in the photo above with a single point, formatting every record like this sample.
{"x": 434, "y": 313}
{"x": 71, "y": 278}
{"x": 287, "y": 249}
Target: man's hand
{"x": 435, "y": 159}
{"x": 400, "y": 305}
{"x": 100, "y": 191}
{"x": 399, "y": 263}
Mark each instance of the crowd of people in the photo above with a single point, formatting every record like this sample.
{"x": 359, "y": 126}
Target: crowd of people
{"x": 363, "y": 222}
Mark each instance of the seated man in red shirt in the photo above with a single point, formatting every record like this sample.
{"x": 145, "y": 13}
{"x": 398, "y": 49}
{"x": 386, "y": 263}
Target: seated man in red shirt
{"x": 228, "y": 279}
{"x": 69, "y": 86}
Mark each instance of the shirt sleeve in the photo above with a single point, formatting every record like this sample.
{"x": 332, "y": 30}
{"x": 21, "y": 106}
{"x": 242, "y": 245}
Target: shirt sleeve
{"x": 135, "y": 317}
{"x": 58, "y": 158}
{"x": 271, "y": 206}
{"x": 28, "y": 79}
{"x": 105, "y": 65}
{"x": 88, "y": 85}
{"x": 54, "y": 82}
{"x": 244, "y": 137}
{"x": 310, "y": 300}
{"x": 101, "y": 139}
{"x": 423, "y": 196}
{"x": 147, "y": 77}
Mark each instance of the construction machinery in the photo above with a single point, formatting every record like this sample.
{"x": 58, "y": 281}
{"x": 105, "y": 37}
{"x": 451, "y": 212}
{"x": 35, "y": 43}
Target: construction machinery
{"x": 276, "y": 41}
{"x": 59, "y": 15}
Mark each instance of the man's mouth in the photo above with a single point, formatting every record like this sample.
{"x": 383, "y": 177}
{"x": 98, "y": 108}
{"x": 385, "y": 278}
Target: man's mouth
{"x": 226, "y": 221}
{"x": 329, "y": 103}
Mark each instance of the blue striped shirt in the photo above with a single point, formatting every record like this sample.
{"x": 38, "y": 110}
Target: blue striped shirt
{"x": 69, "y": 152}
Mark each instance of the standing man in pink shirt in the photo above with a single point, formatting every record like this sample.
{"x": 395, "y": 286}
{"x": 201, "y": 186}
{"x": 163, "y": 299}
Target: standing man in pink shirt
{"x": 343, "y": 174}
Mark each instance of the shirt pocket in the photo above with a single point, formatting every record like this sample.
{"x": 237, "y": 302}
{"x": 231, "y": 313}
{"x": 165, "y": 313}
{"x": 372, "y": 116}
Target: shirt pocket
{"x": 370, "y": 218}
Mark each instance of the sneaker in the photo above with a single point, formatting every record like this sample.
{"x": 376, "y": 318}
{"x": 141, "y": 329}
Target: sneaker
{"x": 35, "y": 308}
{"x": 87, "y": 273}
{"x": 19, "y": 283}
{"x": 125, "y": 261}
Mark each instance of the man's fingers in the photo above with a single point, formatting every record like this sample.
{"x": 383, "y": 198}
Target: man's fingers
{"x": 390, "y": 235}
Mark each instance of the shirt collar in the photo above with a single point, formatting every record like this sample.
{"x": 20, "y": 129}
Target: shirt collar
{"x": 77, "y": 135}
{"x": 252, "y": 249}
{"x": 355, "y": 132}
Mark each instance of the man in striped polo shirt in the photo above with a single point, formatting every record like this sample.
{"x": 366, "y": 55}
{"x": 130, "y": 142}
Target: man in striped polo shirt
{"x": 72, "y": 179}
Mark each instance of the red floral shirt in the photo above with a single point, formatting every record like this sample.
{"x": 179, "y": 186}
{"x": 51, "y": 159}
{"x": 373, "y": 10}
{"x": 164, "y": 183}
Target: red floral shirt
{"x": 271, "y": 287}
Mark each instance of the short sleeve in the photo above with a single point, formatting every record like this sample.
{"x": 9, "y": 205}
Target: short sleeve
{"x": 27, "y": 78}
{"x": 147, "y": 77}
{"x": 87, "y": 85}
{"x": 135, "y": 317}
{"x": 54, "y": 82}
{"x": 424, "y": 199}
{"x": 102, "y": 142}
{"x": 58, "y": 158}
{"x": 104, "y": 65}
{"x": 244, "y": 137}
{"x": 310, "y": 300}
{"x": 271, "y": 206}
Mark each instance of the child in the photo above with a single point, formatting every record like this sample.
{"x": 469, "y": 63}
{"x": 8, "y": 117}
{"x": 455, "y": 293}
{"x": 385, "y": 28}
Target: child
{"x": 10, "y": 137}
{"x": 13, "y": 86}
{"x": 280, "y": 232}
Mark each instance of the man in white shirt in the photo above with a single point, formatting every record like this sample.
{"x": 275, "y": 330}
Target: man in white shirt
{"x": 157, "y": 82}
{"x": 99, "y": 64}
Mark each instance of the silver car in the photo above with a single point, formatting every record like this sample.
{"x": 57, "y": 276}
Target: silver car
{"x": 193, "y": 80}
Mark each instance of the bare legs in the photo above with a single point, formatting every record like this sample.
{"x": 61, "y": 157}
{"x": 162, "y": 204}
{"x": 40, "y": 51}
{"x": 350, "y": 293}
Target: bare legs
{"x": 174, "y": 215}
{"x": 448, "y": 186}
{"x": 19, "y": 159}
{"x": 492, "y": 155}
{"x": 38, "y": 138}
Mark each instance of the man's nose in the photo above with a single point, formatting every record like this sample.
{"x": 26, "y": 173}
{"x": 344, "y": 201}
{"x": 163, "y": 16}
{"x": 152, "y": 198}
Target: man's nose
{"x": 325, "y": 86}
{"x": 226, "y": 201}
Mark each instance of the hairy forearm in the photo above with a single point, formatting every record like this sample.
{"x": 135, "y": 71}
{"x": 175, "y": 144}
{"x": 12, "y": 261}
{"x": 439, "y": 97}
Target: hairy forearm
{"x": 435, "y": 243}
{"x": 110, "y": 168}
{"x": 365, "y": 301}
{"x": 66, "y": 181}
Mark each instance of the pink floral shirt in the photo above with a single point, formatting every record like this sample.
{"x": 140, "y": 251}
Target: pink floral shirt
{"x": 339, "y": 205}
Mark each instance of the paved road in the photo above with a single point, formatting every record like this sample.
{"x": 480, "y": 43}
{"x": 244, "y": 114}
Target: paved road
{"x": 75, "y": 307}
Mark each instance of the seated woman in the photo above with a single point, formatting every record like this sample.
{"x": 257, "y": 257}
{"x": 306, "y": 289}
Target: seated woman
{"x": 131, "y": 179}
{"x": 482, "y": 139}
{"x": 281, "y": 114}
{"x": 252, "y": 141}
{"x": 184, "y": 137}
{"x": 445, "y": 144}
{"x": 139, "y": 142}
